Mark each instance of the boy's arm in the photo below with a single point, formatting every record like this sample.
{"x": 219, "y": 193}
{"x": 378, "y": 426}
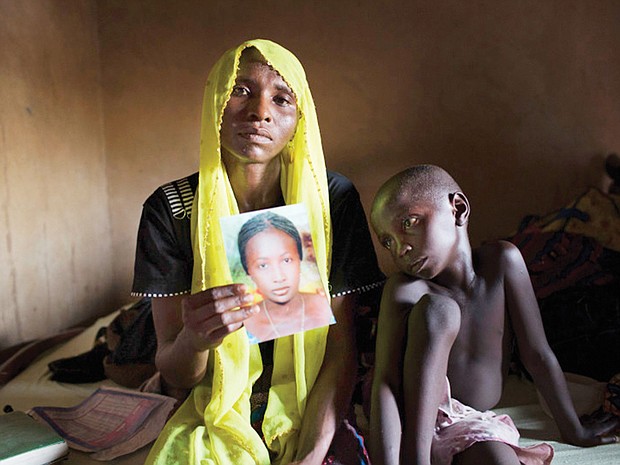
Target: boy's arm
{"x": 385, "y": 425}
{"x": 539, "y": 359}
{"x": 416, "y": 331}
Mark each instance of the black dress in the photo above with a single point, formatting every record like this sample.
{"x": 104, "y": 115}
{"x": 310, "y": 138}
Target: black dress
{"x": 164, "y": 259}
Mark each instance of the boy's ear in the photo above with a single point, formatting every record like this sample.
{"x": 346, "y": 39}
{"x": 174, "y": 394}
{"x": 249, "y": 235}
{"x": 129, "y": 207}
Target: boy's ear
{"x": 460, "y": 206}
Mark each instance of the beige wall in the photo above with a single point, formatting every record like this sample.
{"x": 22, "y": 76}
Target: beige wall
{"x": 55, "y": 246}
{"x": 519, "y": 100}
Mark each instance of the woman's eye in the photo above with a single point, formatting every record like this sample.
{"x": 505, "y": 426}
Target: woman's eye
{"x": 240, "y": 91}
{"x": 387, "y": 243}
{"x": 283, "y": 101}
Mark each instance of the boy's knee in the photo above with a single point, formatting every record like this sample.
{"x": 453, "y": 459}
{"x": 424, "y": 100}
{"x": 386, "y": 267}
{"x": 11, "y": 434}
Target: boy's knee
{"x": 440, "y": 315}
{"x": 487, "y": 452}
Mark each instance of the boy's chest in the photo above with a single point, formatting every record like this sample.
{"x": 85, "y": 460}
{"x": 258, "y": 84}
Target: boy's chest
{"x": 483, "y": 324}
{"x": 479, "y": 356}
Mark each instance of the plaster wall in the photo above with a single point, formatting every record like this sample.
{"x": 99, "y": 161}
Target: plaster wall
{"x": 55, "y": 236}
{"x": 519, "y": 100}
{"x": 100, "y": 103}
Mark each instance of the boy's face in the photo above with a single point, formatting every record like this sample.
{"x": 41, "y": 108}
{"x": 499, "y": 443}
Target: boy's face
{"x": 421, "y": 235}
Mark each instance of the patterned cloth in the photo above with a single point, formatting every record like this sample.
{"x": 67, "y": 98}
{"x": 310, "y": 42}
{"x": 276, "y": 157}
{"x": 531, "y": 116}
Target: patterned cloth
{"x": 578, "y": 245}
{"x": 611, "y": 402}
{"x": 594, "y": 214}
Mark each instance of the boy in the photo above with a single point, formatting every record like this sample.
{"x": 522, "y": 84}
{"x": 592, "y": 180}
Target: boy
{"x": 453, "y": 313}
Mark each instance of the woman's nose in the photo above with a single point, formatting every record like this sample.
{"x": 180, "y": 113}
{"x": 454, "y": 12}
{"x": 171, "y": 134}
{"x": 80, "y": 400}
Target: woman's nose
{"x": 258, "y": 109}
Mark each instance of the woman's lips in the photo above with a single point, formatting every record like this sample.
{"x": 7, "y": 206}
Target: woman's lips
{"x": 255, "y": 134}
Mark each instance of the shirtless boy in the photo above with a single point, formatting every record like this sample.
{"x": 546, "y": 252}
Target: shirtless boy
{"x": 453, "y": 313}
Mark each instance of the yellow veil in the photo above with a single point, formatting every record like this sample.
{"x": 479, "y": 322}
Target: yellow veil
{"x": 213, "y": 424}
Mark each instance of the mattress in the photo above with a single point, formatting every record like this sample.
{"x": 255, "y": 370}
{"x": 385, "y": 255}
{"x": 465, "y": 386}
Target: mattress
{"x": 34, "y": 387}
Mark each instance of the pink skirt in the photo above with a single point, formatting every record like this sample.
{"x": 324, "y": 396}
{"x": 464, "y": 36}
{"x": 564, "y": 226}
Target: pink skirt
{"x": 459, "y": 427}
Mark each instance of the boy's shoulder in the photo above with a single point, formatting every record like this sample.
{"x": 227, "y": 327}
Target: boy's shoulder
{"x": 498, "y": 252}
{"x": 404, "y": 288}
{"x": 492, "y": 260}
{"x": 496, "y": 261}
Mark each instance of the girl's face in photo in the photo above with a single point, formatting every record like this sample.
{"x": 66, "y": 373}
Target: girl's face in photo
{"x": 274, "y": 265}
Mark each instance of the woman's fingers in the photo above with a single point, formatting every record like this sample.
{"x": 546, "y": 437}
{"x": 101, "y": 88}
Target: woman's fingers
{"x": 201, "y": 307}
{"x": 222, "y": 324}
{"x": 235, "y": 320}
{"x": 232, "y": 303}
{"x": 217, "y": 312}
{"x": 215, "y": 294}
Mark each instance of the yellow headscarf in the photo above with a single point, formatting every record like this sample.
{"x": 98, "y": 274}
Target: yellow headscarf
{"x": 213, "y": 424}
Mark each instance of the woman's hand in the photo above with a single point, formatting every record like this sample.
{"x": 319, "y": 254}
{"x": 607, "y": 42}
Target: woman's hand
{"x": 188, "y": 326}
{"x": 211, "y": 315}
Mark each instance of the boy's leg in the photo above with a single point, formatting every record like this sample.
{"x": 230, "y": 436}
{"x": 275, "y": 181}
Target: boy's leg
{"x": 433, "y": 325}
{"x": 488, "y": 452}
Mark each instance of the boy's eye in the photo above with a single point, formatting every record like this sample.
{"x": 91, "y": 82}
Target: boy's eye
{"x": 410, "y": 222}
{"x": 387, "y": 243}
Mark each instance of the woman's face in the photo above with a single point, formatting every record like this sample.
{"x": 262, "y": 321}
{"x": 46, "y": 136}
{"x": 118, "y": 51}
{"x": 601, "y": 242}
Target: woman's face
{"x": 261, "y": 115}
{"x": 274, "y": 265}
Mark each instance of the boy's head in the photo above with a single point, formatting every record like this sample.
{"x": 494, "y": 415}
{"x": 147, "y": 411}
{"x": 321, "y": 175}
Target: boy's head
{"x": 420, "y": 215}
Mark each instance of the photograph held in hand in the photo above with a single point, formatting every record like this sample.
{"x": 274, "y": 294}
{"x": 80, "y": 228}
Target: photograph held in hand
{"x": 271, "y": 251}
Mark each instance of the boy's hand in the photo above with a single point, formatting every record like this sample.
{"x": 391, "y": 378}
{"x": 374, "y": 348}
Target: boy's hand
{"x": 598, "y": 428}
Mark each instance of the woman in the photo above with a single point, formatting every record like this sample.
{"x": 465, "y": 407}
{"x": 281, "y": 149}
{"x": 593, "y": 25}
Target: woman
{"x": 260, "y": 148}
{"x": 271, "y": 253}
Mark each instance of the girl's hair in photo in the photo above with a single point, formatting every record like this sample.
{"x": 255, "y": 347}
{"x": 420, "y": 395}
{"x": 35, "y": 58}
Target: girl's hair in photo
{"x": 262, "y": 222}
